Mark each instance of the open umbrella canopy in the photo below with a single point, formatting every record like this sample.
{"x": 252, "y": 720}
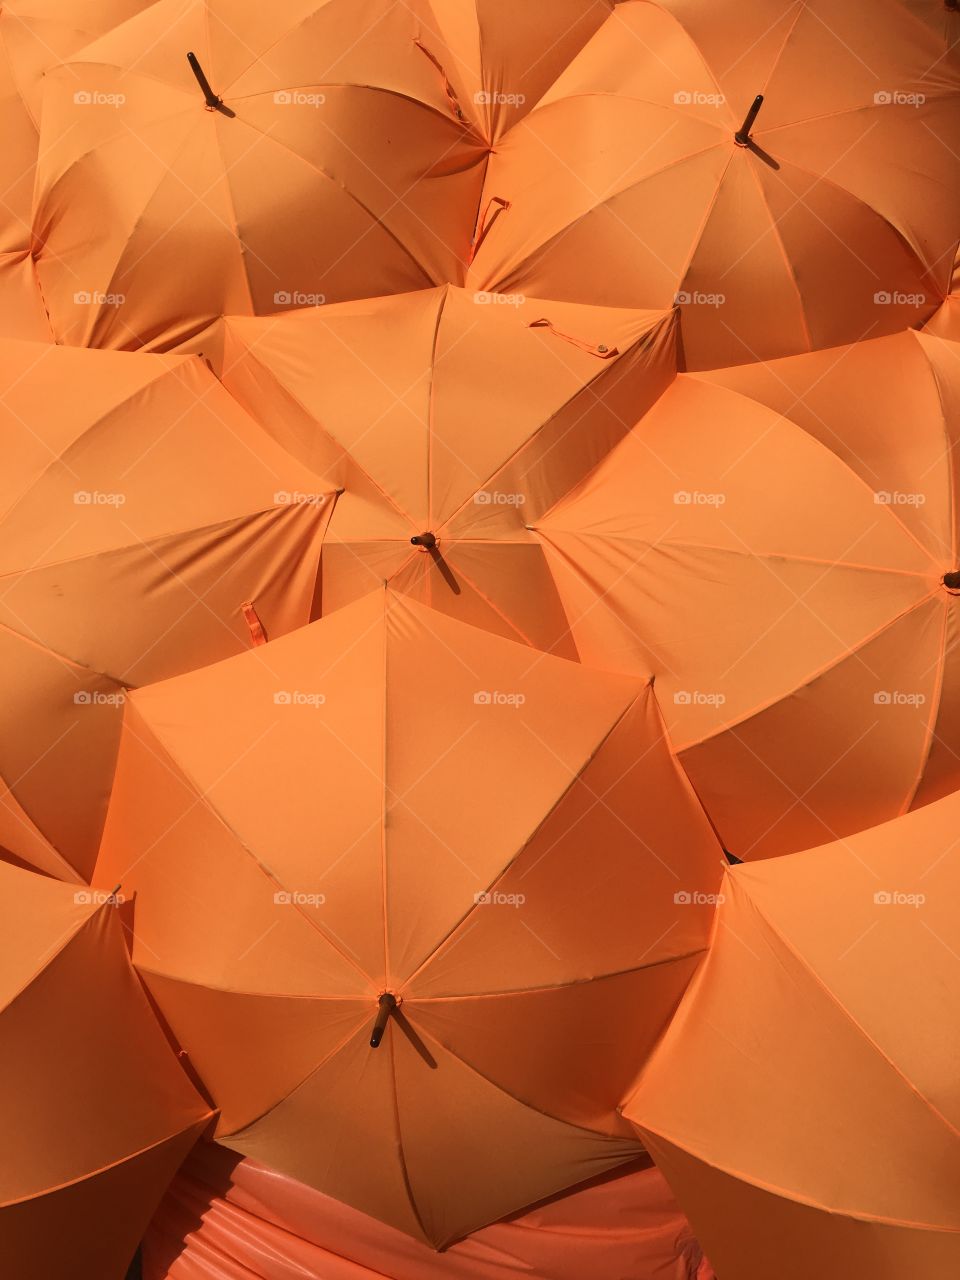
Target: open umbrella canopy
{"x": 779, "y": 544}
{"x": 454, "y": 417}
{"x": 650, "y": 171}
{"x": 36, "y": 35}
{"x": 392, "y": 824}
{"x": 503, "y": 56}
{"x": 148, "y": 526}
{"x": 323, "y": 156}
{"x": 945, "y": 321}
{"x": 805, "y": 1103}
{"x": 95, "y": 1112}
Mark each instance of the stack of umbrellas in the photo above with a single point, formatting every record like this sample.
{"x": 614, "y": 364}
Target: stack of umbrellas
{"x": 481, "y": 615}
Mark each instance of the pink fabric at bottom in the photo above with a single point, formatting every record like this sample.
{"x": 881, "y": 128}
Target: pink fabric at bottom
{"x": 230, "y": 1219}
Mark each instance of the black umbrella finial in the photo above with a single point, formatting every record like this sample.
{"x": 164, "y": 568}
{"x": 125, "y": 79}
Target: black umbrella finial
{"x": 213, "y": 102}
{"x": 426, "y": 540}
{"x": 742, "y": 136}
{"x": 951, "y": 580}
{"x": 388, "y": 1002}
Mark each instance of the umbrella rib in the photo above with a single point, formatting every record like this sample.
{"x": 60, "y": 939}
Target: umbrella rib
{"x": 837, "y": 661}
{"x": 447, "y": 940}
{"x": 935, "y": 708}
{"x": 374, "y": 219}
{"x": 545, "y": 988}
{"x": 432, "y": 401}
{"x": 114, "y": 1164}
{"x": 584, "y": 390}
{"x": 51, "y": 955}
{"x": 202, "y": 798}
{"x": 848, "y": 1015}
{"x": 786, "y": 1193}
{"x": 383, "y": 791}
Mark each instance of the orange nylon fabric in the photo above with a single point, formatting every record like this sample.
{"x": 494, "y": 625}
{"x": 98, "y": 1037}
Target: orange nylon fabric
{"x": 140, "y": 507}
{"x": 228, "y": 1218}
{"x": 35, "y": 35}
{"x": 804, "y": 1104}
{"x": 319, "y": 95}
{"x": 837, "y": 222}
{"x": 389, "y": 800}
{"x": 771, "y": 541}
{"x": 456, "y": 413}
{"x": 92, "y": 1100}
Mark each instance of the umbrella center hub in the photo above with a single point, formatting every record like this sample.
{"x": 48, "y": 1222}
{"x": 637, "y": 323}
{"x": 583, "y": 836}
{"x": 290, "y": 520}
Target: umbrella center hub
{"x": 425, "y": 541}
{"x": 951, "y": 582}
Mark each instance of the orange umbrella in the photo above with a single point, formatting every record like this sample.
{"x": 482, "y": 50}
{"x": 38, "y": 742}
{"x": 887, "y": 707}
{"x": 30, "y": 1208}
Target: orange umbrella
{"x": 779, "y": 544}
{"x": 148, "y": 527}
{"x": 945, "y": 322}
{"x": 804, "y": 1104}
{"x": 310, "y": 151}
{"x": 96, "y": 1115}
{"x": 36, "y": 35}
{"x": 503, "y": 56}
{"x": 390, "y": 824}
{"x": 22, "y": 313}
{"x": 455, "y": 418}
{"x": 788, "y": 172}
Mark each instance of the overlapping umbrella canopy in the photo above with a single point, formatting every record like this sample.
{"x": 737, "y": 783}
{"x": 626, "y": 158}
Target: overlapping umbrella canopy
{"x": 393, "y": 805}
{"x": 829, "y": 219}
{"x": 148, "y": 527}
{"x": 779, "y": 544}
{"x": 454, "y": 417}
{"x": 95, "y": 1112}
{"x": 807, "y": 1090}
{"x": 395, "y": 296}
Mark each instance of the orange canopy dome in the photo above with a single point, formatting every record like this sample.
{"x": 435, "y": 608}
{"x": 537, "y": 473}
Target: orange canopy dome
{"x": 148, "y": 527}
{"x": 338, "y": 164}
{"x": 833, "y": 220}
{"x": 805, "y": 1103}
{"x": 503, "y": 56}
{"x": 36, "y": 35}
{"x": 392, "y": 804}
{"x": 461, "y": 415}
{"x": 779, "y": 544}
{"x": 96, "y": 1115}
